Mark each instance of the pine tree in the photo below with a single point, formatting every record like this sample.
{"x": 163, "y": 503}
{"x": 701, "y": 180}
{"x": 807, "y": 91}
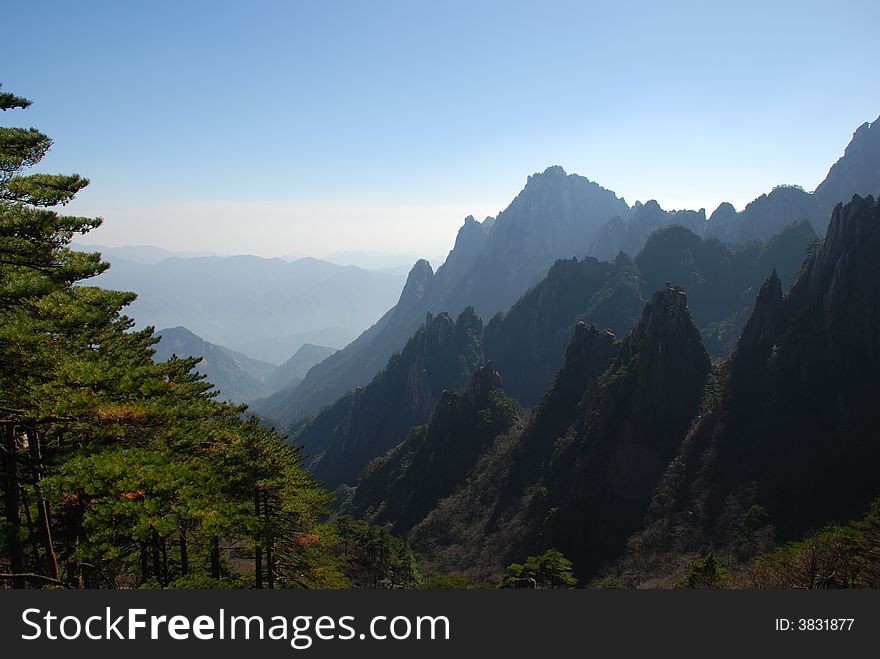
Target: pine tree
{"x": 118, "y": 471}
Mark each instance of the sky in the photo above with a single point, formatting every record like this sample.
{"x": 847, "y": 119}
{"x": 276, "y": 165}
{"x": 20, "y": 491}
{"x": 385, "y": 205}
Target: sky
{"x": 306, "y": 127}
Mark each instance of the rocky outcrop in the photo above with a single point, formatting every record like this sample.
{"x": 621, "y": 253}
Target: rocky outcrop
{"x": 858, "y": 170}
{"x": 403, "y": 486}
{"x": 628, "y": 236}
{"x": 527, "y": 344}
{"x": 580, "y": 474}
{"x": 634, "y": 421}
{"x": 791, "y": 429}
{"x": 369, "y": 420}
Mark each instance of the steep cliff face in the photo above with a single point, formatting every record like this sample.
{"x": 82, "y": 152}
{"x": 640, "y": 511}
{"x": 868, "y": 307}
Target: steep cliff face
{"x": 602, "y": 474}
{"x": 492, "y": 264}
{"x": 527, "y": 344}
{"x": 407, "y": 483}
{"x": 629, "y": 236}
{"x": 792, "y": 427}
{"x": 357, "y": 363}
{"x": 858, "y": 170}
{"x": 369, "y": 420}
{"x": 578, "y": 476}
{"x": 556, "y": 215}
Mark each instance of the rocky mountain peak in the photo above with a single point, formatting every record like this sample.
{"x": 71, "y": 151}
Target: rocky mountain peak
{"x": 764, "y": 324}
{"x": 665, "y": 319}
{"x": 838, "y": 285}
{"x": 586, "y": 345}
{"x": 484, "y": 381}
{"x": 418, "y": 285}
{"x": 858, "y": 170}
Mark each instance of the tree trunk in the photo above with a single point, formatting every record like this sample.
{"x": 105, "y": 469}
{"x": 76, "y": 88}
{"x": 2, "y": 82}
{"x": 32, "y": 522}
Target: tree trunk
{"x": 184, "y": 554}
{"x": 215, "y": 557}
{"x": 72, "y": 513}
{"x": 270, "y": 569}
{"x": 145, "y": 563}
{"x": 258, "y": 549}
{"x": 157, "y": 560}
{"x": 13, "y": 507}
{"x": 42, "y": 507}
{"x": 165, "y": 579}
{"x": 35, "y": 548}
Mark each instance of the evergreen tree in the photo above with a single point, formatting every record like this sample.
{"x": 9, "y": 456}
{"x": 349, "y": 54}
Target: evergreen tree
{"x": 118, "y": 471}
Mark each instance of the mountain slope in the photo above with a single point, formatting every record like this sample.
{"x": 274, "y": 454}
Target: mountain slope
{"x": 577, "y": 477}
{"x": 491, "y": 265}
{"x": 791, "y": 429}
{"x": 357, "y": 363}
{"x": 237, "y": 377}
{"x": 262, "y": 307}
{"x": 857, "y": 172}
{"x": 369, "y": 420}
{"x": 295, "y": 369}
{"x": 404, "y": 485}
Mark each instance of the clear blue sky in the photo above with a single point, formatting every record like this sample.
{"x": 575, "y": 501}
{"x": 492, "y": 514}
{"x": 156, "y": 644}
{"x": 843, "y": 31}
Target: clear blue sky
{"x": 274, "y": 127}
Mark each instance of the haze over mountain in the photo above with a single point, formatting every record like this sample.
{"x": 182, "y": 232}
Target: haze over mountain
{"x": 145, "y": 254}
{"x": 641, "y": 456}
{"x": 552, "y": 215}
{"x": 527, "y": 344}
{"x": 265, "y": 308}
{"x": 380, "y": 261}
{"x": 237, "y": 377}
{"x": 556, "y": 216}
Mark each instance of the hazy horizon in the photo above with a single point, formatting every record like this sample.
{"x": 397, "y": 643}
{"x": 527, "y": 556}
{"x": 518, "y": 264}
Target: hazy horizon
{"x": 317, "y": 128}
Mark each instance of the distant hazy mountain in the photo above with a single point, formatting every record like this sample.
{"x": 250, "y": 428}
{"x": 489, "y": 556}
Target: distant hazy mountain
{"x": 492, "y": 263}
{"x": 237, "y": 377}
{"x": 375, "y": 260}
{"x": 266, "y": 308}
{"x": 145, "y": 254}
{"x": 295, "y": 368}
{"x": 856, "y": 172}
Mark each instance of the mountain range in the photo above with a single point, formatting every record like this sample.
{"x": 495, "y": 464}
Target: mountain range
{"x": 558, "y": 215}
{"x": 264, "y": 308}
{"x": 634, "y": 387}
{"x": 642, "y": 455}
{"x": 527, "y": 344}
{"x": 236, "y": 377}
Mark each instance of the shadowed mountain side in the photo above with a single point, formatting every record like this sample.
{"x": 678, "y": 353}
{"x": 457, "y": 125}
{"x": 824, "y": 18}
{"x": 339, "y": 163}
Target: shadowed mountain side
{"x": 369, "y": 420}
{"x": 585, "y": 459}
{"x": 403, "y": 486}
{"x": 788, "y": 434}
